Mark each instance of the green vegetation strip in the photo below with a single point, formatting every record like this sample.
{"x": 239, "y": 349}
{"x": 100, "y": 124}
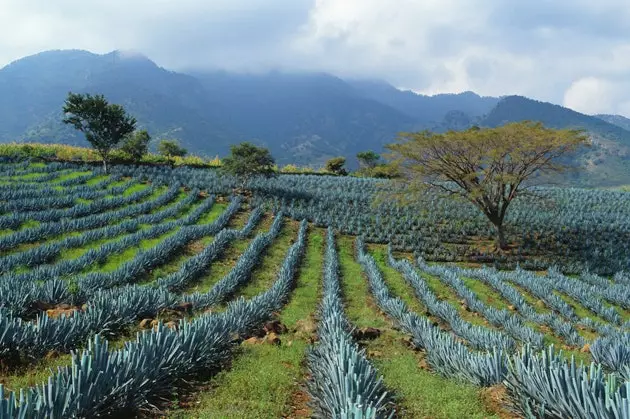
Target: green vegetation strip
{"x": 420, "y": 393}
{"x": 51, "y": 239}
{"x": 265, "y": 274}
{"x": 264, "y": 381}
{"x": 221, "y": 267}
{"x": 114, "y": 261}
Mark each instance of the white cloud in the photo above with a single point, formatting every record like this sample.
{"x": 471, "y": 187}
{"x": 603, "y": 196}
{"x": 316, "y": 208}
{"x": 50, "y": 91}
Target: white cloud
{"x": 592, "y": 95}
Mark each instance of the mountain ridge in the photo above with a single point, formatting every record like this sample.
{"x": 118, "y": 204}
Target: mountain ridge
{"x": 302, "y": 117}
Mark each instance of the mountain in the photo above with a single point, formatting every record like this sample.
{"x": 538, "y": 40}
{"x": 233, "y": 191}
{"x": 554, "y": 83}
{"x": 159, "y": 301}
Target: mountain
{"x": 620, "y": 121}
{"x": 303, "y": 118}
{"x": 33, "y": 89}
{"x": 607, "y": 160}
{"x": 427, "y": 110}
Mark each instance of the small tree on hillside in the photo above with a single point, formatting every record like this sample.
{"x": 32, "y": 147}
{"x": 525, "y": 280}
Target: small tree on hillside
{"x": 368, "y": 159}
{"x": 487, "y": 167}
{"x": 247, "y": 160}
{"x": 336, "y": 166}
{"x": 104, "y": 125}
{"x": 171, "y": 149}
{"x": 136, "y": 145}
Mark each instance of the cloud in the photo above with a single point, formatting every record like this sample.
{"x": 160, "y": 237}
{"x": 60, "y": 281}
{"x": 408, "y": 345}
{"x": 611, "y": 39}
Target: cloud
{"x": 563, "y": 52}
{"x": 590, "y": 95}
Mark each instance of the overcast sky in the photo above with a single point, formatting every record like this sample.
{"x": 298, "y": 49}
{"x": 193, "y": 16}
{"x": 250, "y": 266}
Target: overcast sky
{"x": 571, "y": 52}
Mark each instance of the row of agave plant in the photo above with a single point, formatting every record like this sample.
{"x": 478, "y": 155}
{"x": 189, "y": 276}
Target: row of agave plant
{"x": 15, "y": 219}
{"x": 63, "y": 268}
{"x": 479, "y": 337}
{"x": 564, "y": 329}
{"x": 63, "y": 226}
{"x": 540, "y": 384}
{"x": 21, "y": 199}
{"x": 109, "y": 311}
{"x": 49, "y": 251}
{"x": 18, "y": 292}
{"x": 146, "y": 372}
{"x": 512, "y": 323}
{"x": 611, "y": 350}
{"x": 593, "y": 296}
{"x": 16, "y": 171}
{"x": 146, "y": 260}
{"x": 343, "y": 383}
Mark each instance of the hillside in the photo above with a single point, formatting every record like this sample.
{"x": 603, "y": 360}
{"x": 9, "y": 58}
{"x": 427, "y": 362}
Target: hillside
{"x": 169, "y": 285}
{"x": 620, "y": 121}
{"x": 607, "y": 160}
{"x": 303, "y": 118}
{"x": 426, "y": 109}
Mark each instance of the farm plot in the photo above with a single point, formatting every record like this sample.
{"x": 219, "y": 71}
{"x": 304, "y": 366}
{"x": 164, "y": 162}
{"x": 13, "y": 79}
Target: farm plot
{"x": 153, "y": 293}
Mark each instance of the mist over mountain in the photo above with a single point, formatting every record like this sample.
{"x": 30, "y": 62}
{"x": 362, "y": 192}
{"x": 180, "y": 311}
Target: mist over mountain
{"x": 303, "y": 118}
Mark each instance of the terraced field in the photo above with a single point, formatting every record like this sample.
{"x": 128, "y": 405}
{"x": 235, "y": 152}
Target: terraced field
{"x": 155, "y": 293}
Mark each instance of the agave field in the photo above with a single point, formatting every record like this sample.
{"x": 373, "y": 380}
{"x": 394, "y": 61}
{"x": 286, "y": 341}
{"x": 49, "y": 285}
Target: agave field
{"x": 154, "y": 292}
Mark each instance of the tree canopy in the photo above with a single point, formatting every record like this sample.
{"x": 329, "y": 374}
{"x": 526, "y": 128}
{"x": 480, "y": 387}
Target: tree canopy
{"x": 368, "y": 159}
{"x": 170, "y": 149}
{"x": 103, "y": 124}
{"x": 136, "y": 145}
{"x": 488, "y": 167}
{"x": 247, "y": 160}
{"x": 336, "y": 166}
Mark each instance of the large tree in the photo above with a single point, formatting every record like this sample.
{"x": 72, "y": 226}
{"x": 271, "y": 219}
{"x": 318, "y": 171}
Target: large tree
{"x": 103, "y": 124}
{"x": 247, "y": 160}
{"x": 488, "y": 167}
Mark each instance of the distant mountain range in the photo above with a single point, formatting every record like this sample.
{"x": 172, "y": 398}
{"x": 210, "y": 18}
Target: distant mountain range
{"x": 303, "y": 118}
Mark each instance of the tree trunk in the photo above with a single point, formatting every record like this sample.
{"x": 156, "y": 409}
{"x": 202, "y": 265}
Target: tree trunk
{"x": 105, "y": 165}
{"x": 500, "y": 239}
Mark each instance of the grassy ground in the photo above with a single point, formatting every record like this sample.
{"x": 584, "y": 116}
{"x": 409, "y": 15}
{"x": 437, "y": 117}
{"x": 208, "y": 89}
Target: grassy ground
{"x": 420, "y": 393}
{"x": 51, "y": 239}
{"x": 446, "y": 293}
{"x": 265, "y": 274}
{"x": 118, "y": 259}
{"x": 264, "y": 381}
{"x": 71, "y": 175}
{"x": 192, "y": 249}
{"x": 221, "y": 267}
{"x": 76, "y": 252}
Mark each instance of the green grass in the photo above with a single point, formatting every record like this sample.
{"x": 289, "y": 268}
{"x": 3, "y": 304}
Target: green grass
{"x": 394, "y": 279}
{"x": 29, "y": 224}
{"x": 264, "y": 379}
{"x": 217, "y": 209}
{"x": 234, "y": 250}
{"x": 537, "y": 304}
{"x": 96, "y": 180}
{"x": 420, "y": 393}
{"x": 136, "y": 187}
{"x": 35, "y": 374}
{"x": 445, "y": 293}
{"x": 578, "y": 308}
{"x": 486, "y": 294}
{"x": 37, "y": 165}
{"x": 266, "y": 272}
{"x": 71, "y": 175}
